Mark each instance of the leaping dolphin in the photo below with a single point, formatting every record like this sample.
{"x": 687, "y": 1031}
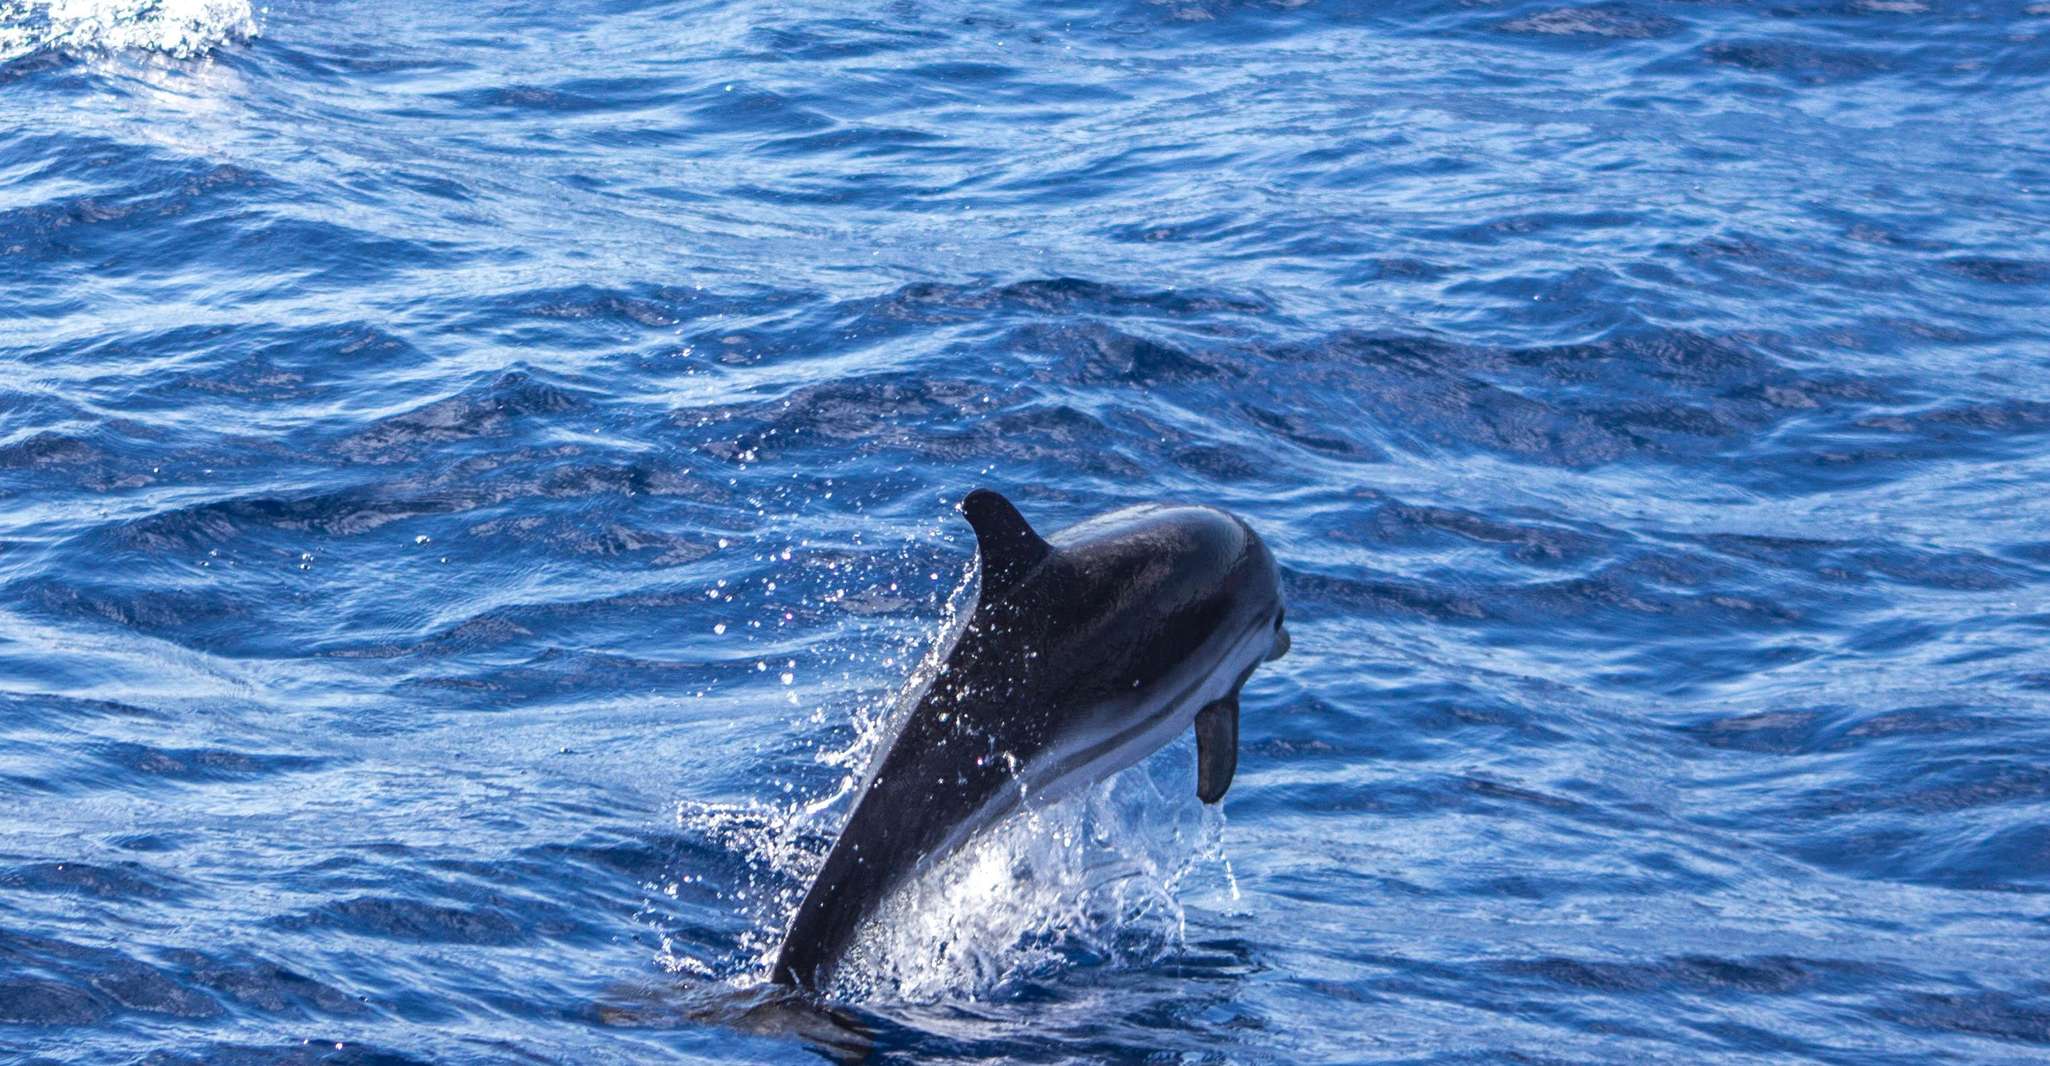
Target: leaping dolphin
{"x": 1084, "y": 654}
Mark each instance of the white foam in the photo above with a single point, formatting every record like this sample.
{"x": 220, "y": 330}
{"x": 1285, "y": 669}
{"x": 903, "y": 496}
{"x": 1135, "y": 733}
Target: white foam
{"x": 1095, "y": 878}
{"x": 182, "y": 29}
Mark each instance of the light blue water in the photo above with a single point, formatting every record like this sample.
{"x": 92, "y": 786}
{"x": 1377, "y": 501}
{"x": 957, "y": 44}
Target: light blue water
{"x": 469, "y": 476}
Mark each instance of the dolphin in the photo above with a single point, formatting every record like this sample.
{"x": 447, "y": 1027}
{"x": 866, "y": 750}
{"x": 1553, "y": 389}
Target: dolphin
{"x": 1083, "y": 654}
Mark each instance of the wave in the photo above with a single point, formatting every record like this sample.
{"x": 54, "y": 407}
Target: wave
{"x": 182, "y": 29}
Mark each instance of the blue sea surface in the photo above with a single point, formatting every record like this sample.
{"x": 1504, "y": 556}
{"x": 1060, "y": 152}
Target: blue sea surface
{"x": 472, "y": 476}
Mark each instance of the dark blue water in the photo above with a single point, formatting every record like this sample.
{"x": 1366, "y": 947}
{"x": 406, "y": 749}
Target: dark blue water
{"x": 471, "y": 475}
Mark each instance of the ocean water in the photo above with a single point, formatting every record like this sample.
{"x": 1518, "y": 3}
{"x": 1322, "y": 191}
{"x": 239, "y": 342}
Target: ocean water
{"x": 471, "y": 477}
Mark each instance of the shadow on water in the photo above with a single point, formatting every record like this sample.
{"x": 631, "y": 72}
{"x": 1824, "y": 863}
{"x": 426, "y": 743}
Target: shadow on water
{"x": 1088, "y": 1008}
{"x": 835, "y": 1033}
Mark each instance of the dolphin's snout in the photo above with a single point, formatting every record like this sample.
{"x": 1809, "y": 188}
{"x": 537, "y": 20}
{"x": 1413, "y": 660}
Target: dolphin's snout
{"x": 1281, "y": 643}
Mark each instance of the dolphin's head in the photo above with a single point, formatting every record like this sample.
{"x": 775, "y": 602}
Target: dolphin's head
{"x": 1161, "y": 582}
{"x": 1204, "y": 572}
{"x": 1256, "y": 577}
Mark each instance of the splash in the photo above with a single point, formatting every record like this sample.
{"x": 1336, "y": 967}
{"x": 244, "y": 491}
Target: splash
{"x": 182, "y": 29}
{"x": 1095, "y": 880}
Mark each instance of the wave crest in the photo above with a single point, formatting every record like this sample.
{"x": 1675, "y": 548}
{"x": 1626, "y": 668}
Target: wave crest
{"x": 182, "y": 29}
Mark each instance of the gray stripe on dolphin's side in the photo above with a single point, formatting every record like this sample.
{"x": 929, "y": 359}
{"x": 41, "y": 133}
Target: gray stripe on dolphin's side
{"x": 1083, "y": 653}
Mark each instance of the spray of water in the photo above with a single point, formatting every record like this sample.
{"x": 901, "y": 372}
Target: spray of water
{"x": 182, "y": 29}
{"x": 1093, "y": 880}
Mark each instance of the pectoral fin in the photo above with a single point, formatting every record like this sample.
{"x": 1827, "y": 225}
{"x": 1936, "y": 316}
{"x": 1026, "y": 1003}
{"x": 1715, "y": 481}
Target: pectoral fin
{"x": 1217, "y": 748}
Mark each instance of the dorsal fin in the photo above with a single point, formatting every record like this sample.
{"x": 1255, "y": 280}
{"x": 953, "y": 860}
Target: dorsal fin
{"x": 1007, "y": 543}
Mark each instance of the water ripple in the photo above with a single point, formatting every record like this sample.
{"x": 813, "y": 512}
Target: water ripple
{"x": 471, "y": 481}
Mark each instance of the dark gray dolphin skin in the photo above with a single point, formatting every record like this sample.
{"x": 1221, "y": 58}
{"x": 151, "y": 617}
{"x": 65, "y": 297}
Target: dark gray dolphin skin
{"x": 1085, "y": 653}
